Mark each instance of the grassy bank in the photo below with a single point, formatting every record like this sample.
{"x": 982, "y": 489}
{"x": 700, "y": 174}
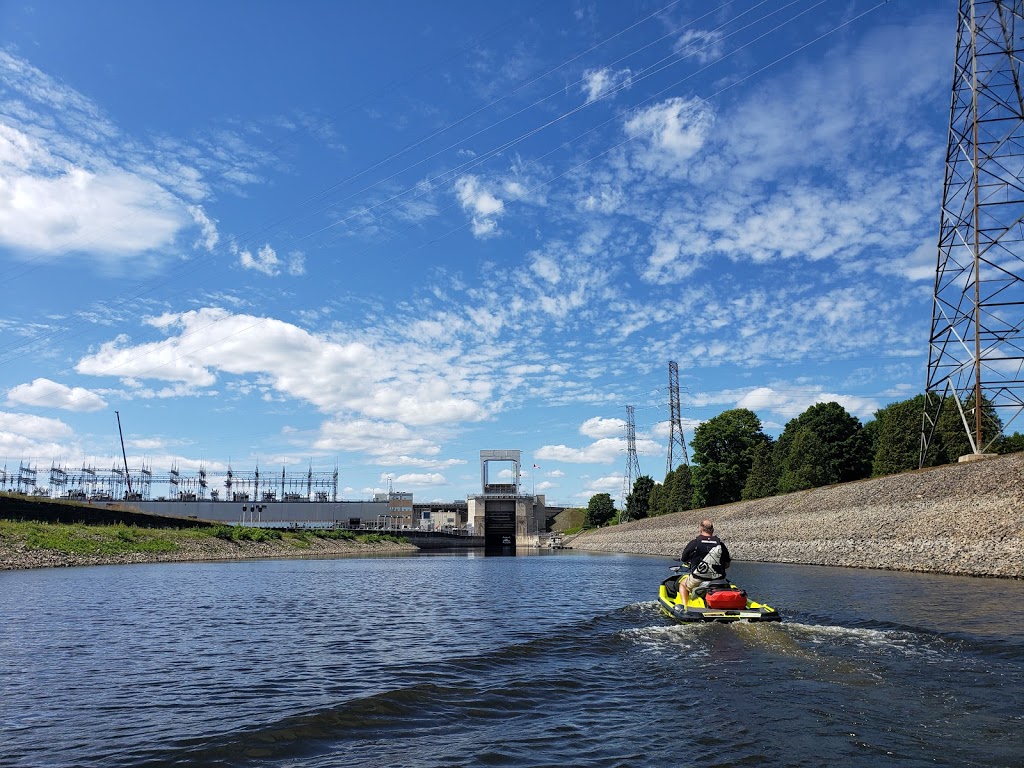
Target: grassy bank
{"x": 35, "y": 544}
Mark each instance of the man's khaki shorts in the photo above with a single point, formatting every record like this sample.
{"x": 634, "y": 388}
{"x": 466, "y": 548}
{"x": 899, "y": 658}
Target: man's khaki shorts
{"x": 692, "y": 583}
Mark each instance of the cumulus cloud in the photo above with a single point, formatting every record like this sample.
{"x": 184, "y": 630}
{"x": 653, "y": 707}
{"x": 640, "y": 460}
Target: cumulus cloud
{"x": 598, "y": 427}
{"x": 43, "y": 393}
{"x": 421, "y": 480}
{"x": 791, "y": 403}
{"x": 380, "y": 383}
{"x": 603, "y": 451}
{"x": 47, "y": 204}
{"x": 610, "y": 484}
{"x": 33, "y": 436}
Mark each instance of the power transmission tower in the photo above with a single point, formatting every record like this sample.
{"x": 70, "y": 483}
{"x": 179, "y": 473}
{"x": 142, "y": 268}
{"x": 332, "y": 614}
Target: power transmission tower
{"x": 675, "y": 418}
{"x": 632, "y": 464}
{"x": 976, "y": 351}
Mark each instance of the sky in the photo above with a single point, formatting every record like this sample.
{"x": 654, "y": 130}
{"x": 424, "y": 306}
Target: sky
{"x": 382, "y": 237}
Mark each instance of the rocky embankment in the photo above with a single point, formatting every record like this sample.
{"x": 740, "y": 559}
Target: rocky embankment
{"x": 14, "y": 554}
{"x": 965, "y": 519}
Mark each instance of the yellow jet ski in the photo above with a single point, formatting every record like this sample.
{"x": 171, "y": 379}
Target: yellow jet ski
{"x": 715, "y": 600}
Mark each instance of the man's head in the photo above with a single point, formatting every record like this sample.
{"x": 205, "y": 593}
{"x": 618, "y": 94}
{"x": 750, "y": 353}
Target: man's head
{"x": 707, "y": 527}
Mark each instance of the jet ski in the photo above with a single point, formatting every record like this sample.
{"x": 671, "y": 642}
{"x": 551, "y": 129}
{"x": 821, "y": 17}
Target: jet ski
{"x": 715, "y": 600}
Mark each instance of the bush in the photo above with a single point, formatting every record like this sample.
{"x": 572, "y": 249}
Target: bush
{"x": 376, "y": 538}
{"x": 335, "y": 533}
{"x": 243, "y": 533}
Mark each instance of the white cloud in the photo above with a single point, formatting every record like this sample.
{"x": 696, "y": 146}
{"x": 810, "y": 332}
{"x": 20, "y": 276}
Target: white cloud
{"x": 610, "y": 484}
{"x": 918, "y": 265}
{"x": 387, "y": 382}
{"x": 790, "y": 403}
{"x": 598, "y": 427}
{"x": 296, "y": 263}
{"x": 421, "y": 480}
{"x": 38, "y": 426}
{"x": 672, "y": 133}
{"x": 604, "y": 199}
{"x": 546, "y": 269}
{"x": 210, "y": 236}
{"x": 265, "y": 260}
{"x": 33, "y": 437}
{"x": 388, "y": 441}
{"x": 43, "y": 393}
{"x": 603, "y": 451}
{"x": 480, "y": 202}
{"x": 47, "y": 204}
{"x": 703, "y": 45}
{"x": 597, "y": 83}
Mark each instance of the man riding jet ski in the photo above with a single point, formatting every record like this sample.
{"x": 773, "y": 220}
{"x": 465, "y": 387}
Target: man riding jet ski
{"x": 701, "y": 591}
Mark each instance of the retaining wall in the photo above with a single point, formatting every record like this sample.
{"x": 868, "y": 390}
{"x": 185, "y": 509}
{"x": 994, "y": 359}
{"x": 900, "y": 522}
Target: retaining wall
{"x": 97, "y": 513}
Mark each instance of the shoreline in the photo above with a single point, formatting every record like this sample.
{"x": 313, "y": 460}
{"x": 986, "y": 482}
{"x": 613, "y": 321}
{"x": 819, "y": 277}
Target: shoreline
{"x": 959, "y": 519}
{"x": 16, "y": 555}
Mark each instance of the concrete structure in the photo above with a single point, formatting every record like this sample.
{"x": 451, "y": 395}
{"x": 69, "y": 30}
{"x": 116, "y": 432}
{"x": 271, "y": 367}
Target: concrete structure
{"x": 440, "y": 516}
{"x": 505, "y": 518}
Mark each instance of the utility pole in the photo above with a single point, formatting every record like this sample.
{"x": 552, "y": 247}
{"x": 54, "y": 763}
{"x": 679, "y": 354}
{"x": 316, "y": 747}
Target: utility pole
{"x": 976, "y": 345}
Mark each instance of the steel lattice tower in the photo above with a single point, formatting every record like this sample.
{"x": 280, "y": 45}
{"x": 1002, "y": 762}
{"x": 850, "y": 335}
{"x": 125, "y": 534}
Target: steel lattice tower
{"x": 976, "y": 351}
{"x": 632, "y": 463}
{"x": 675, "y": 418}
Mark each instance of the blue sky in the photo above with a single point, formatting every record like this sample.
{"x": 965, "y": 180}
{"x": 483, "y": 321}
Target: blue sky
{"x": 386, "y": 236}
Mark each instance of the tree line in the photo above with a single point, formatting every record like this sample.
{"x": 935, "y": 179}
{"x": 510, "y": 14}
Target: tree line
{"x": 734, "y": 460}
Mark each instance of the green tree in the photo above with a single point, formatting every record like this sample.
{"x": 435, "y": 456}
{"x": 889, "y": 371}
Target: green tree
{"x": 722, "y": 450}
{"x": 1012, "y": 443}
{"x": 822, "y": 446}
{"x": 763, "y": 479}
{"x": 806, "y": 464}
{"x": 674, "y": 495}
{"x": 898, "y": 434}
{"x": 871, "y": 436}
{"x": 656, "y": 500}
{"x": 953, "y": 441}
{"x": 898, "y": 437}
{"x": 600, "y": 510}
{"x": 638, "y": 502}
{"x": 681, "y": 491}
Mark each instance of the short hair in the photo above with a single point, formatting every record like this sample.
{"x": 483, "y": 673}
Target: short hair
{"x": 706, "y": 526}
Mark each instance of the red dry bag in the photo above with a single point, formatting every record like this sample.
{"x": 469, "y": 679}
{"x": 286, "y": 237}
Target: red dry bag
{"x": 726, "y": 598}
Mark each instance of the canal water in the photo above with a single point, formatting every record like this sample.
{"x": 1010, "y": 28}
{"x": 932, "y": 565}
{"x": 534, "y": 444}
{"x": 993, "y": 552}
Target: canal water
{"x": 461, "y": 660}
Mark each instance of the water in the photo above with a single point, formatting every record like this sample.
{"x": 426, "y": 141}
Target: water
{"x": 555, "y": 660}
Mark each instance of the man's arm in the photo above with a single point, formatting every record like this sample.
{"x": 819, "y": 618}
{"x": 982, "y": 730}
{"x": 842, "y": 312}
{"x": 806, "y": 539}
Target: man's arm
{"x": 688, "y": 551}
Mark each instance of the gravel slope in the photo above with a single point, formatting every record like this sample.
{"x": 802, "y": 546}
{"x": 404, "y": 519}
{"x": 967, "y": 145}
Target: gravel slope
{"x": 965, "y": 519}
